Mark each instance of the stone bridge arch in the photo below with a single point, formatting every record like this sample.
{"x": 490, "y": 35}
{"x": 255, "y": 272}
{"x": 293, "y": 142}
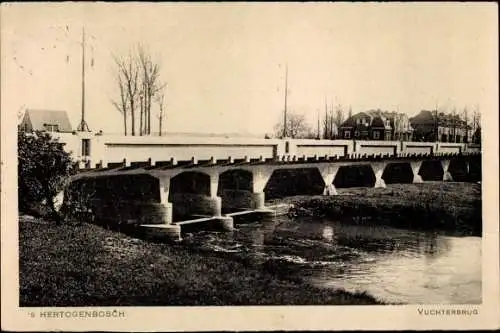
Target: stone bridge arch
{"x": 235, "y": 179}
{"x": 193, "y": 182}
{"x": 296, "y": 181}
{"x": 355, "y": 176}
{"x": 431, "y": 170}
{"x": 117, "y": 199}
{"x": 191, "y": 194}
{"x": 236, "y": 190}
{"x": 398, "y": 173}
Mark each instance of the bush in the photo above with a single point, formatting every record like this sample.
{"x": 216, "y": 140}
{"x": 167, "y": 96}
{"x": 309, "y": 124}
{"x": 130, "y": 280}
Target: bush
{"x": 44, "y": 168}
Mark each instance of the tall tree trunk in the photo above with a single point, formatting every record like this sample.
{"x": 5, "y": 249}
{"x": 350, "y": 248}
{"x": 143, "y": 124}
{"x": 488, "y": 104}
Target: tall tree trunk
{"x": 160, "y": 120}
{"x": 132, "y": 113}
{"x": 149, "y": 113}
{"x": 140, "y": 118}
{"x": 125, "y": 120}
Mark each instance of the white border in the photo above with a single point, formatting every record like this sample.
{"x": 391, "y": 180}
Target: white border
{"x": 258, "y": 318}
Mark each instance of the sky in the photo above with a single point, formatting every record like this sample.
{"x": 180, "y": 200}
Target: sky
{"x": 225, "y": 63}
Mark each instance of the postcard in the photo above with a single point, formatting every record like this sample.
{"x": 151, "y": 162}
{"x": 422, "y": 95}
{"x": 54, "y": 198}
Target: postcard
{"x": 249, "y": 166}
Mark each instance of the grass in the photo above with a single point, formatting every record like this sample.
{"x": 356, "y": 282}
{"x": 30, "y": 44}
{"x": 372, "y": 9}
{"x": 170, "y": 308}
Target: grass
{"x": 450, "y": 206}
{"x": 86, "y": 265}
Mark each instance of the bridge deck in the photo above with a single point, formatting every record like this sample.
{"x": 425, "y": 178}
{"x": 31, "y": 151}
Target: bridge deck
{"x": 289, "y": 162}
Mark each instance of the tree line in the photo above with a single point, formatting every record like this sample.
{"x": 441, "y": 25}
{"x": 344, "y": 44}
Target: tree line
{"x": 327, "y": 125}
{"x": 334, "y": 116}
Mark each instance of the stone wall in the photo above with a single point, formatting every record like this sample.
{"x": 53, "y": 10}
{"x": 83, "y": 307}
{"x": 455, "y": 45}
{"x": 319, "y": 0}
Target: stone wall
{"x": 377, "y": 147}
{"x": 233, "y": 200}
{"x": 443, "y": 147}
{"x": 130, "y": 199}
{"x": 164, "y": 152}
{"x": 190, "y": 204}
{"x": 322, "y": 150}
{"x": 418, "y": 148}
{"x": 130, "y": 212}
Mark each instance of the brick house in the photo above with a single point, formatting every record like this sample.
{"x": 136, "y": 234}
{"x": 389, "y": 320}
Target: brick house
{"x": 437, "y": 126}
{"x": 377, "y": 125}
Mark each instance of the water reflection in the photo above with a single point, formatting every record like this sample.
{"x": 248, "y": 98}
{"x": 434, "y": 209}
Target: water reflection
{"x": 395, "y": 265}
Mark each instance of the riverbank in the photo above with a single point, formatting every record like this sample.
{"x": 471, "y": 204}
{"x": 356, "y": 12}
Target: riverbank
{"x": 449, "y": 206}
{"x": 86, "y": 265}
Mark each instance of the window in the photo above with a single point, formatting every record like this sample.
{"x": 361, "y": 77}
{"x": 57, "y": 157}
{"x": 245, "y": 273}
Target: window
{"x": 85, "y": 147}
{"x": 356, "y": 134}
{"x": 376, "y": 135}
{"x": 287, "y": 147}
{"x": 51, "y": 127}
{"x": 347, "y": 134}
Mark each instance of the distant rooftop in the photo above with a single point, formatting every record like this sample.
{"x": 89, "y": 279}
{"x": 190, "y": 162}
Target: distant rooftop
{"x": 41, "y": 120}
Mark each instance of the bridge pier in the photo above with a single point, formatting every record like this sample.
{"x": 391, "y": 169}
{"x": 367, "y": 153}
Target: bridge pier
{"x": 378, "y": 170}
{"x": 213, "y": 201}
{"x": 415, "y": 168}
{"x": 166, "y": 229}
{"x": 328, "y": 173}
{"x": 446, "y": 173}
{"x": 164, "y": 184}
{"x": 260, "y": 176}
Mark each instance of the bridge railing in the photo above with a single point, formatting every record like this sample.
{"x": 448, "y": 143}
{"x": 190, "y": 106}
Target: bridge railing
{"x": 115, "y": 150}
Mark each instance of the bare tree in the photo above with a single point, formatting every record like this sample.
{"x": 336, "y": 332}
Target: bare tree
{"x": 326, "y": 123}
{"x": 297, "y": 127}
{"x": 122, "y": 105}
{"x": 395, "y": 126}
{"x": 160, "y": 100}
{"x": 332, "y": 120}
{"x": 151, "y": 85}
{"x": 339, "y": 116}
{"x": 332, "y": 123}
{"x": 465, "y": 115}
{"x": 127, "y": 78}
{"x": 454, "y": 123}
{"x": 138, "y": 78}
{"x": 399, "y": 125}
{"x": 476, "y": 125}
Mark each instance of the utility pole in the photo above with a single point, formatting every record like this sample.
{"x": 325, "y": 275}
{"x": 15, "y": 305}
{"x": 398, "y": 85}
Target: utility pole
{"x": 83, "y": 127}
{"x": 286, "y": 95}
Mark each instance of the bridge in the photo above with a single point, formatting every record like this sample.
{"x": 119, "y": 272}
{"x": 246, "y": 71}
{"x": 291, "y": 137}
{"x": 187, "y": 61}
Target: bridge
{"x": 167, "y": 184}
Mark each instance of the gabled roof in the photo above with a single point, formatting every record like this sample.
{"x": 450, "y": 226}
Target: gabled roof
{"x": 36, "y": 119}
{"x": 377, "y": 118}
{"x": 426, "y": 117}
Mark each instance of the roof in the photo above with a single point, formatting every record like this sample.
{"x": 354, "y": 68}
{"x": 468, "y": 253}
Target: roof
{"x": 426, "y": 117}
{"x": 38, "y": 118}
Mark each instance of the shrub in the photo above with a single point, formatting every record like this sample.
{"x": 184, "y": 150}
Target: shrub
{"x": 44, "y": 168}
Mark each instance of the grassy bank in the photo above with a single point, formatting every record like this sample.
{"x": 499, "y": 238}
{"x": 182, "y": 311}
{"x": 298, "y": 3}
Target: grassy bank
{"x": 455, "y": 207}
{"x": 86, "y": 265}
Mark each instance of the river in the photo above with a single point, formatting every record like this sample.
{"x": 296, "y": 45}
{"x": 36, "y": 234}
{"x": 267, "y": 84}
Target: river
{"x": 393, "y": 265}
